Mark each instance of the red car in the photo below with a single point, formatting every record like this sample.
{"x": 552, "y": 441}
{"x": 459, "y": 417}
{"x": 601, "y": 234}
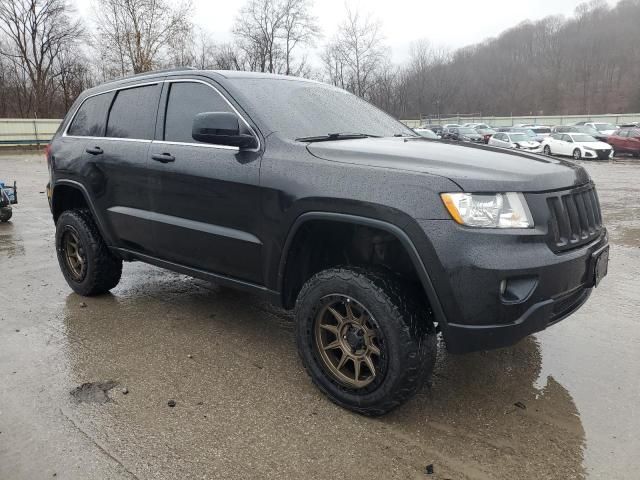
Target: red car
{"x": 626, "y": 140}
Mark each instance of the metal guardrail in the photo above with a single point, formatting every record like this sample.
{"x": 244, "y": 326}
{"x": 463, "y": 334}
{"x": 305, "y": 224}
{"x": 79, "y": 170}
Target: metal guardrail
{"x": 616, "y": 119}
{"x": 27, "y": 131}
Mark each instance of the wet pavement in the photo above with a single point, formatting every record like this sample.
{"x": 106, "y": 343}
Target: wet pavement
{"x": 560, "y": 404}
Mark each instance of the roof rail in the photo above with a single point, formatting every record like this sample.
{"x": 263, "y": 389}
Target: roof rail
{"x": 153, "y": 72}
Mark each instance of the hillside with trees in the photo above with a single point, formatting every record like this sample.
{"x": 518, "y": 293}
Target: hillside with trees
{"x": 586, "y": 64}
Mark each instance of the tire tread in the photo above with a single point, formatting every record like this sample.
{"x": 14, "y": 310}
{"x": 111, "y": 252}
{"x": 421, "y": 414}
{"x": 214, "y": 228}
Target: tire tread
{"x": 418, "y": 335}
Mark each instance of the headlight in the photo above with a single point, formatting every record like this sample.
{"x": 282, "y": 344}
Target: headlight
{"x": 590, "y": 149}
{"x": 499, "y": 210}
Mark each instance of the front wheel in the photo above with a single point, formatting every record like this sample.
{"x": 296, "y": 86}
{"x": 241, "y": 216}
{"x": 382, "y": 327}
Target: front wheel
{"x": 366, "y": 342}
{"x": 576, "y": 154}
{"x": 547, "y": 150}
{"x": 86, "y": 263}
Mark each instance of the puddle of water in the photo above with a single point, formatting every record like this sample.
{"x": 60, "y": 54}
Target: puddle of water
{"x": 93, "y": 392}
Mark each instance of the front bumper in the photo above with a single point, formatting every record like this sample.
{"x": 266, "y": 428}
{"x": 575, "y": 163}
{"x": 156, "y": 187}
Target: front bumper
{"x": 496, "y": 287}
{"x": 601, "y": 154}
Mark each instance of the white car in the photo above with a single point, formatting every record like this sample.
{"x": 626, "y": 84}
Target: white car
{"x": 577, "y": 145}
{"x": 517, "y": 140}
{"x": 426, "y": 133}
{"x": 602, "y": 127}
{"x": 475, "y": 126}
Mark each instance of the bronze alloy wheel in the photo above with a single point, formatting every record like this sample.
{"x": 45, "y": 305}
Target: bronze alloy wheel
{"x": 74, "y": 254}
{"x": 349, "y": 341}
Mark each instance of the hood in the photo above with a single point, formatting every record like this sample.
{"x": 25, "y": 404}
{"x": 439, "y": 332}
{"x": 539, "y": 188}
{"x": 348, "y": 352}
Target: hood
{"x": 473, "y": 167}
{"x": 595, "y": 145}
{"x": 528, "y": 144}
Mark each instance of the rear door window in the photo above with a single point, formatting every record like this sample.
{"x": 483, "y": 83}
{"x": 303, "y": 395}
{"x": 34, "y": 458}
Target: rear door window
{"x": 91, "y": 117}
{"x": 133, "y": 113}
{"x": 185, "y": 101}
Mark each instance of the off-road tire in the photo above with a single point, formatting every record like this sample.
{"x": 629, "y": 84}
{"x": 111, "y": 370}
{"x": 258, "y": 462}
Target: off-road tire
{"x": 103, "y": 270}
{"x": 406, "y": 324}
{"x": 5, "y": 214}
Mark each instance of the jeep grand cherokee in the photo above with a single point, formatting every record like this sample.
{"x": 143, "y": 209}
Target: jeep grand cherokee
{"x": 307, "y": 195}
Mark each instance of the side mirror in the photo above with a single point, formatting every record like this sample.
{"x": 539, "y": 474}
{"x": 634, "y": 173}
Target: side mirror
{"x": 221, "y": 128}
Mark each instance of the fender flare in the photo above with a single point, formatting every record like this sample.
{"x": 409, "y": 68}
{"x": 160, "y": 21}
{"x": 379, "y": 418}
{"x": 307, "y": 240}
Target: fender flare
{"x": 396, "y": 231}
{"x": 87, "y": 198}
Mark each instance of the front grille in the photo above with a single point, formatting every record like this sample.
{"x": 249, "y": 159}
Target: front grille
{"x": 603, "y": 154}
{"x": 575, "y": 217}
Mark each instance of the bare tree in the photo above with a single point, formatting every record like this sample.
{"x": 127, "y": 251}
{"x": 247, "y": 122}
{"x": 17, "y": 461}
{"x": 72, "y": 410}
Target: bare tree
{"x": 35, "y": 32}
{"x": 268, "y": 31}
{"x": 352, "y": 59}
{"x": 136, "y": 35}
{"x": 299, "y": 28}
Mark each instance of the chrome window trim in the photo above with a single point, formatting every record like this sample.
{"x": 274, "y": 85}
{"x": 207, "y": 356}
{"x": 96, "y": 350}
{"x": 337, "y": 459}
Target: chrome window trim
{"x": 139, "y": 140}
{"x": 163, "y": 142}
{"x": 65, "y": 133}
{"x": 206, "y": 145}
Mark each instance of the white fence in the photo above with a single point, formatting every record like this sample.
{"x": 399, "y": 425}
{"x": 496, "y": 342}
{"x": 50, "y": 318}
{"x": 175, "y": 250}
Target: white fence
{"x": 616, "y": 119}
{"x": 24, "y": 131}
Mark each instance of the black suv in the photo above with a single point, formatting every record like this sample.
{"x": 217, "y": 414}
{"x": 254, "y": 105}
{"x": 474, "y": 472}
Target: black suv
{"x": 309, "y": 196}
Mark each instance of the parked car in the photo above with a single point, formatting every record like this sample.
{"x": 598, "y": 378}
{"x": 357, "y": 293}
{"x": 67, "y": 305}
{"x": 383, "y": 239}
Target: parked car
{"x": 577, "y": 145}
{"x": 426, "y": 133}
{"x": 465, "y": 134}
{"x": 437, "y": 129}
{"x": 541, "y": 131}
{"x": 475, "y": 126}
{"x": 626, "y": 140}
{"x": 527, "y": 131}
{"x": 486, "y": 133}
{"x": 630, "y": 125}
{"x": 446, "y": 129}
{"x": 587, "y": 130}
{"x": 602, "y": 127}
{"x": 517, "y": 140}
{"x": 374, "y": 235}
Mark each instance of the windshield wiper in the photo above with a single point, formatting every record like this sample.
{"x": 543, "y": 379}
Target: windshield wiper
{"x": 336, "y": 136}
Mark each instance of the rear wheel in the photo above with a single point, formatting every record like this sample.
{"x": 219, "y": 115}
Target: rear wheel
{"x": 5, "y": 214}
{"x": 547, "y": 150}
{"x": 364, "y": 339}
{"x": 576, "y": 154}
{"x": 86, "y": 263}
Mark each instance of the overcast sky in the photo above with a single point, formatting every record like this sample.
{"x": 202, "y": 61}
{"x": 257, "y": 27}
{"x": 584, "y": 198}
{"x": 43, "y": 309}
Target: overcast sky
{"x": 444, "y": 23}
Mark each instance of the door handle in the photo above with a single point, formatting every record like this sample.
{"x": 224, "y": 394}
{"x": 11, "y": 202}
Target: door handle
{"x": 163, "y": 158}
{"x": 95, "y": 151}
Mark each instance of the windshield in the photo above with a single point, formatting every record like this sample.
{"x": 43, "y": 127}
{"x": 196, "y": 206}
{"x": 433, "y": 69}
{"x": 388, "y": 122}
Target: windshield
{"x": 518, "y": 137}
{"x": 583, "y": 138}
{"x": 541, "y": 130}
{"x": 604, "y": 126}
{"x": 298, "y": 109}
{"x": 467, "y": 131}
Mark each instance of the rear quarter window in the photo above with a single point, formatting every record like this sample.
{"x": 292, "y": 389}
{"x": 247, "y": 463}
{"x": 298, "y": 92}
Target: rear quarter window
{"x": 91, "y": 118}
{"x": 133, "y": 113}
